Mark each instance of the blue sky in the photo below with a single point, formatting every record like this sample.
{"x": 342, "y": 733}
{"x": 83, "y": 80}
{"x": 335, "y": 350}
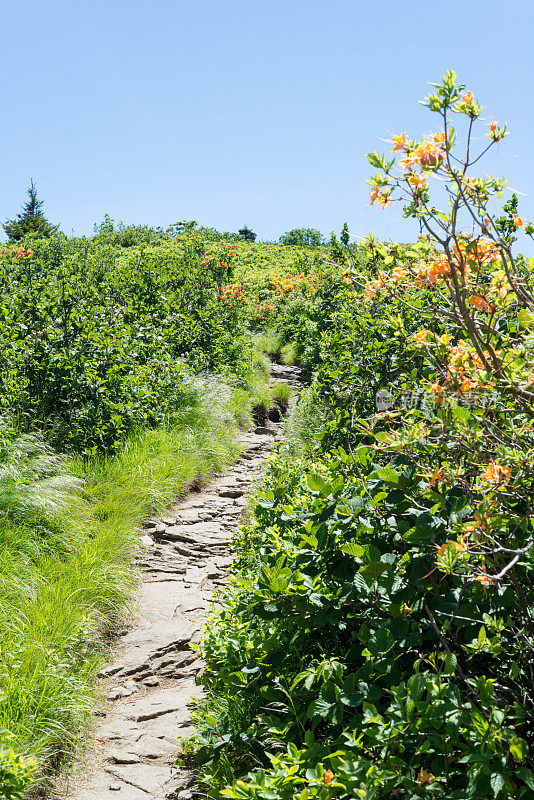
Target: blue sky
{"x": 234, "y": 111}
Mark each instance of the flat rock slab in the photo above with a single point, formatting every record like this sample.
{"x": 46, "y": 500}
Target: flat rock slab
{"x": 150, "y": 683}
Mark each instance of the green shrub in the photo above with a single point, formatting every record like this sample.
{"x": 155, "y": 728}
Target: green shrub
{"x": 15, "y": 771}
{"x": 96, "y": 340}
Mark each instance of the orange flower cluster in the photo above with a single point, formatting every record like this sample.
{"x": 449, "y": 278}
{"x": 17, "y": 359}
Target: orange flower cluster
{"x": 328, "y": 776}
{"x": 480, "y": 302}
{"x": 232, "y": 250}
{"x": 21, "y": 253}
{"x": 231, "y": 294}
{"x": 372, "y": 287}
{"x": 264, "y": 309}
{"x": 289, "y": 283}
{"x": 431, "y": 272}
{"x": 428, "y": 154}
{"x": 495, "y": 473}
{"x": 481, "y": 252}
{"x": 485, "y": 580}
{"x": 382, "y": 198}
{"x": 460, "y": 547}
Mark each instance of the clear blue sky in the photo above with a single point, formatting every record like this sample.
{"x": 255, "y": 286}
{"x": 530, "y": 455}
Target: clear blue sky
{"x": 234, "y": 111}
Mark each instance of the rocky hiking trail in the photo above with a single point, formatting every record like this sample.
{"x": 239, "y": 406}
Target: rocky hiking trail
{"x": 150, "y": 682}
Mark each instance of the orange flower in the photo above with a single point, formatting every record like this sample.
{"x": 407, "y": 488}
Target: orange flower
{"x": 517, "y": 221}
{"x": 420, "y": 337}
{"x": 405, "y": 609}
{"x": 424, "y": 777}
{"x": 466, "y": 385}
{"x": 374, "y": 194}
{"x": 435, "y": 478}
{"x": 437, "y": 389}
{"x": 484, "y": 579}
{"x": 417, "y": 181}
{"x": 409, "y": 160}
{"x": 439, "y": 269}
{"x": 383, "y": 200}
{"x": 328, "y": 776}
{"x": 369, "y": 291}
{"x": 460, "y": 547}
{"x": 439, "y": 138}
{"x": 428, "y": 154}
{"x": 495, "y": 473}
{"x": 398, "y": 274}
{"x": 467, "y": 98}
{"x": 399, "y": 142}
{"x": 479, "y": 302}
{"x": 493, "y": 127}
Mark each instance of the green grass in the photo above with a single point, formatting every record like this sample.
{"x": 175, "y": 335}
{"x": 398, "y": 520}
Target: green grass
{"x": 268, "y": 341}
{"x": 68, "y": 537}
{"x": 281, "y": 393}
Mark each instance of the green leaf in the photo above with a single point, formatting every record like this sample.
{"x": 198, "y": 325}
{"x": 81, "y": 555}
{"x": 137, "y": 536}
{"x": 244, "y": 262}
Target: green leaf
{"x": 525, "y": 318}
{"x": 497, "y": 783}
{"x": 380, "y": 642}
{"x": 318, "y": 484}
{"x": 353, "y": 549}
{"x": 527, "y": 776}
{"x": 374, "y": 570}
{"x": 518, "y": 748}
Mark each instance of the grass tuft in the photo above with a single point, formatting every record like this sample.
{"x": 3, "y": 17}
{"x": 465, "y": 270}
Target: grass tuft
{"x": 68, "y": 537}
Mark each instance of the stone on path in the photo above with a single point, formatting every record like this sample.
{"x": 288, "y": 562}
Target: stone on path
{"x": 150, "y": 684}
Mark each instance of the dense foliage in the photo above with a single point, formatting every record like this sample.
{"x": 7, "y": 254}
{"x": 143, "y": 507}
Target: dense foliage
{"x": 95, "y": 338}
{"x": 376, "y": 640}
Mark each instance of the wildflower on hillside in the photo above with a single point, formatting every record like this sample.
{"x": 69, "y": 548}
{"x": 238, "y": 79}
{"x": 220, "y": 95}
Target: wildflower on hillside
{"x": 494, "y": 473}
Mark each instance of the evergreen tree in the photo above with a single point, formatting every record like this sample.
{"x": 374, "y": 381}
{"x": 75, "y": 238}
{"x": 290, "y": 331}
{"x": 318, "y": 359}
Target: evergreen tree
{"x": 31, "y": 219}
{"x": 247, "y": 234}
{"x": 345, "y": 235}
{"x": 336, "y": 251}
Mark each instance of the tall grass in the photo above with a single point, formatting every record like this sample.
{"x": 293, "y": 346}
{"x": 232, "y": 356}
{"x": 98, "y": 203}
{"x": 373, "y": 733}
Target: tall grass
{"x": 68, "y": 536}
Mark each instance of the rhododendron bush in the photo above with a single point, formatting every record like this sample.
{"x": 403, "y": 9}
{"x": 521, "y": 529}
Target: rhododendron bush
{"x": 377, "y": 639}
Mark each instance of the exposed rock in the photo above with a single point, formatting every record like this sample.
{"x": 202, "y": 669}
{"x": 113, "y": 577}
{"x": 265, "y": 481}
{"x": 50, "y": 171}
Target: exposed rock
{"x": 227, "y": 492}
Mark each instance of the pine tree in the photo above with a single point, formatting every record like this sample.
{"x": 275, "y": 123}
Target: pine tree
{"x": 345, "y": 235}
{"x": 247, "y": 234}
{"x": 31, "y": 219}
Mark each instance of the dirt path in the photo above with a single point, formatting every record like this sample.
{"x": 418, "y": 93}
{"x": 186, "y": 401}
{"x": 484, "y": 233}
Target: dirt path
{"x": 149, "y": 685}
